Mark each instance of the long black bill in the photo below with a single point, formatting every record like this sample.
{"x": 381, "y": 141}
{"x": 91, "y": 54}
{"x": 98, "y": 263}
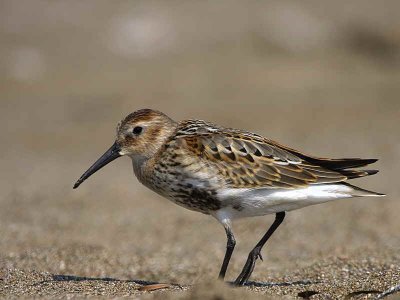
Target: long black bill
{"x": 109, "y": 156}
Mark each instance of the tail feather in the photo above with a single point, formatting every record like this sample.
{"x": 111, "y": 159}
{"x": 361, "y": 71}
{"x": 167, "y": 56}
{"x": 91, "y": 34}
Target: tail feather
{"x": 359, "y": 192}
{"x": 351, "y": 174}
{"x": 344, "y": 163}
{"x": 334, "y": 164}
{"x": 343, "y": 166}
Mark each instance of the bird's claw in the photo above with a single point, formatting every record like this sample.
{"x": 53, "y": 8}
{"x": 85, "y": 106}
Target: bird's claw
{"x": 260, "y": 256}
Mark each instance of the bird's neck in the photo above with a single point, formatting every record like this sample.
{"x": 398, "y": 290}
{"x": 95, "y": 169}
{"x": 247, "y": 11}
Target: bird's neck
{"x": 139, "y": 163}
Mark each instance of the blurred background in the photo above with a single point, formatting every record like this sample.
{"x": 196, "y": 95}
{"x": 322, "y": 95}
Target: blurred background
{"x": 321, "y": 76}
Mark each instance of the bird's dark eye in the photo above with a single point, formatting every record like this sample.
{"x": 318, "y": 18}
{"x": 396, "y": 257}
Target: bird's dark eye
{"x": 137, "y": 130}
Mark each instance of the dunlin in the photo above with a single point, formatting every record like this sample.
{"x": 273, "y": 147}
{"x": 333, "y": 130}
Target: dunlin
{"x": 228, "y": 173}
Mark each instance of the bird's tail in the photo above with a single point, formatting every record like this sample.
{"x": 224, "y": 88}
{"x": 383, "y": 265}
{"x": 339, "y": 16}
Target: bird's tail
{"x": 345, "y": 166}
{"x": 359, "y": 192}
{"x": 350, "y": 174}
{"x": 344, "y": 163}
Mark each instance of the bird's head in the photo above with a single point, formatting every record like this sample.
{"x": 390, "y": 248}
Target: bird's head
{"x": 139, "y": 135}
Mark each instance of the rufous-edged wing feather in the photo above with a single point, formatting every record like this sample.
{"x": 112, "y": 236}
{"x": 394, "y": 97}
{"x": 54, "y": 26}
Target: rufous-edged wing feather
{"x": 247, "y": 159}
{"x": 254, "y": 163}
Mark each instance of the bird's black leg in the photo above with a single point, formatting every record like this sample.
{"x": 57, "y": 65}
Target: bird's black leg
{"x": 256, "y": 252}
{"x": 230, "y": 245}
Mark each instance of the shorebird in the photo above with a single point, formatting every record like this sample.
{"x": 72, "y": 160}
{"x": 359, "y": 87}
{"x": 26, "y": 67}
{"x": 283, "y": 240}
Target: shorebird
{"x": 228, "y": 173}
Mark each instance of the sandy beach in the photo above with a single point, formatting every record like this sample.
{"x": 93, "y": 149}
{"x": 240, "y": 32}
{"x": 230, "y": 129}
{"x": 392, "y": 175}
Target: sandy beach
{"x": 112, "y": 237}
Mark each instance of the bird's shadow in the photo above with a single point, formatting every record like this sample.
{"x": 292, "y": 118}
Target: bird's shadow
{"x": 105, "y": 279}
{"x": 286, "y": 283}
{"x": 73, "y": 278}
{"x": 61, "y": 278}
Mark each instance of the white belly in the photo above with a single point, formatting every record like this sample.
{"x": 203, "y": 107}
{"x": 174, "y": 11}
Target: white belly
{"x": 240, "y": 203}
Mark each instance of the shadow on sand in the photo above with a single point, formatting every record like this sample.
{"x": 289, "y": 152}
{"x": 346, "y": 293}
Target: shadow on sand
{"x": 105, "y": 279}
{"x": 145, "y": 282}
{"x": 287, "y": 283}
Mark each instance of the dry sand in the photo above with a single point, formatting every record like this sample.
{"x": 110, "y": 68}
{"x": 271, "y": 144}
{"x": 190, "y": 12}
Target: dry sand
{"x": 112, "y": 236}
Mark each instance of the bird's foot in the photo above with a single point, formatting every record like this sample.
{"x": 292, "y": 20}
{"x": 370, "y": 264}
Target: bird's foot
{"x": 248, "y": 267}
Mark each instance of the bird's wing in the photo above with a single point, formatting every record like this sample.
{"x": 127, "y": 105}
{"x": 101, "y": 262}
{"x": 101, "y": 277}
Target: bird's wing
{"x": 249, "y": 160}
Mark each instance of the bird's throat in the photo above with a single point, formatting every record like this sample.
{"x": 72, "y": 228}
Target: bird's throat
{"x": 139, "y": 163}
